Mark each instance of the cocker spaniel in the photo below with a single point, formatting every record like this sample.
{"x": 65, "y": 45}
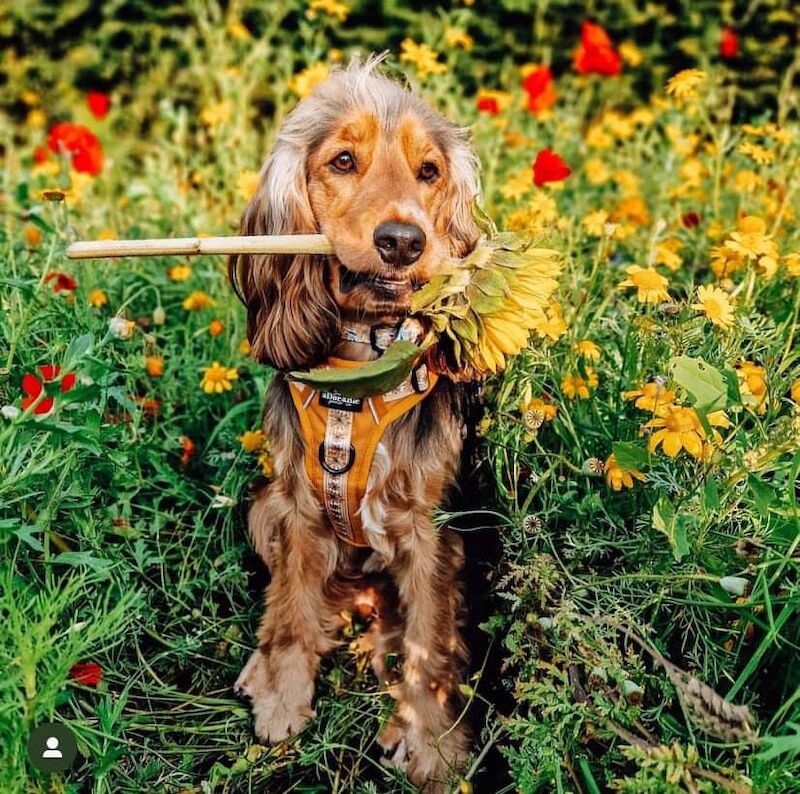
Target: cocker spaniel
{"x": 348, "y": 518}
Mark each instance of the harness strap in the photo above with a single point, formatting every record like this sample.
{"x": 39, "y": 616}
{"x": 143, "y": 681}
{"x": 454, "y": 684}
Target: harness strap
{"x": 341, "y": 435}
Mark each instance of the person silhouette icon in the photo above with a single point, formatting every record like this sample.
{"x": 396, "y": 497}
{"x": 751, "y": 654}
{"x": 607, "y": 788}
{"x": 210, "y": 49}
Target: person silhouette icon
{"x": 52, "y": 750}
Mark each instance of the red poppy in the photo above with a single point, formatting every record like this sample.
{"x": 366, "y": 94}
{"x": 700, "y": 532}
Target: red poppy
{"x": 188, "y": 447}
{"x": 549, "y": 167}
{"x": 690, "y": 220}
{"x": 729, "y": 43}
{"x": 488, "y": 105}
{"x": 99, "y": 104}
{"x": 40, "y": 154}
{"x": 61, "y": 282}
{"x": 89, "y": 673}
{"x": 80, "y": 144}
{"x": 538, "y": 84}
{"x": 33, "y": 387}
{"x": 596, "y": 54}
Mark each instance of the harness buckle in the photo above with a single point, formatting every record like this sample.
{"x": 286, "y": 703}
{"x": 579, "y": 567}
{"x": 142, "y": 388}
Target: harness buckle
{"x": 419, "y": 378}
{"x": 388, "y": 333}
{"x": 351, "y": 459}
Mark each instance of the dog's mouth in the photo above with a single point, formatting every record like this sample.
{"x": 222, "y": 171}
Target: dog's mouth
{"x": 392, "y": 283}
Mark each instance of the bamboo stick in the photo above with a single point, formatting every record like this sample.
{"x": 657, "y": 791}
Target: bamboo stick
{"x": 179, "y": 246}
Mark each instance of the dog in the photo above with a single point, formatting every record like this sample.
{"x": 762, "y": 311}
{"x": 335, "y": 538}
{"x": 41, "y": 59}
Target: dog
{"x": 390, "y": 182}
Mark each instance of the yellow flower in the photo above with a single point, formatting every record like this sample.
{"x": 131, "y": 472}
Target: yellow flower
{"x": 752, "y": 242}
{"x": 573, "y": 385}
{"x": 238, "y": 30}
{"x": 267, "y": 463}
{"x": 795, "y": 391}
{"x": 304, "y": 82}
{"x": 684, "y": 84}
{"x": 631, "y": 54}
{"x": 588, "y": 349}
{"x": 179, "y": 272}
{"x": 595, "y": 223}
{"x": 421, "y": 56}
{"x": 632, "y": 208}
{"x": 517, "y": 186}
{"x": 792, "y": 262}
{"x": 216, "y": 114}
{"x": 651, "y": 397}
{"x": 651, "y": 286}
{"x": 725, "y": 261}
{"x": 333, "y": 8}
{"x": 746, "y": 181}
{"x": 680, "y": 428}
{"x": 667, "y": 254}
{"x": 536, "y": 411}
{"x": 759, "y": 154}
{"x": 32, "y": 235}
{"x": 244, "y": 347}
{"x": 30, "y": 97}
{"x": 552, "y": 325}
{"x": 540, "y": 212}
{"x": 36, "y": 118}
{"x": 252, "y": 440}
{"x": 597, "y": 172}
{"x": 597, "y": 138}
{"x": 617, "y": 477}
{"x": 215, "y": 327}
{"x": 456, "y": 37}
{"x": 217, "y": 378}
{"x": 198, "y": 300}
{"x": 752, "y": 385}
{"x": 716, "y": 306}
{"x": 97, "y": 298}
{"x": 642, "y": 117}
{"x": 154, "y": 366}
{"x": 247, "y": 184}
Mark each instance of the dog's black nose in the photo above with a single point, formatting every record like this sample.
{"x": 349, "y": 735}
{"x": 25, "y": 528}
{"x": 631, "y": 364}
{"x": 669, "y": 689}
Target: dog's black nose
{"x": 399, "y": 244}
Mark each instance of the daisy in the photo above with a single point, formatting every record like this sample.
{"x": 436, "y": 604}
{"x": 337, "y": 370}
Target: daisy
{"x": 651, "y": 286}
{"x": 716, "y": 306}
{"x": 217, "y": 378}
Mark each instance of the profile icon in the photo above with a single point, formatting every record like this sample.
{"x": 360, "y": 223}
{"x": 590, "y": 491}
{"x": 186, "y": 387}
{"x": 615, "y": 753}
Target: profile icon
{"x": 52, "y": 750}
{"x": 52, "y": 747}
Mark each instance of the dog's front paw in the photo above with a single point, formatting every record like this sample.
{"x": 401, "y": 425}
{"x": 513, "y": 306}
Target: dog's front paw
{"x": 392, "y": 741}
{"x": 280, "y": 697}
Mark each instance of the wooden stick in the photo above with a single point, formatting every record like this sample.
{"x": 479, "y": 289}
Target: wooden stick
{"x": 179, "y": 246}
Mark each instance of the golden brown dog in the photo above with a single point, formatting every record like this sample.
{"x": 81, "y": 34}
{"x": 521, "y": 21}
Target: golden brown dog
{"x": 390, "y": 182}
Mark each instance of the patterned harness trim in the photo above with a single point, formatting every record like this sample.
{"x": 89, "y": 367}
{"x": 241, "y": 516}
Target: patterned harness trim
{"x": 341, "y": 435}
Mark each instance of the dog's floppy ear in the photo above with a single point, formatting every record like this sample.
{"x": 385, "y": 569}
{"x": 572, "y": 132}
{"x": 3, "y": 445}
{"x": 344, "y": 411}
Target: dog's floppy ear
{"x": 291, "y": 316}
{"x": 463, "y": 190}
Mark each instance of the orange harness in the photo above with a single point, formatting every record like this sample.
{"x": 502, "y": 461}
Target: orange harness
{"x": 341, "y": 435}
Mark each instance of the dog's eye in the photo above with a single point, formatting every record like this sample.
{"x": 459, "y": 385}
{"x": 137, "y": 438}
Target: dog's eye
{"x": 428, "y": 172}
{"x": 344, "y": 162}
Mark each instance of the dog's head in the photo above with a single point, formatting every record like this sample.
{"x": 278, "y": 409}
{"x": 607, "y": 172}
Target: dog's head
{"x": 387, "y": 179}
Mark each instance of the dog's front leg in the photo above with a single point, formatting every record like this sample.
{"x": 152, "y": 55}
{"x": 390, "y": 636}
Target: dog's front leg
{"x": 424, "y": 725}
{"x": 299, "y": 620}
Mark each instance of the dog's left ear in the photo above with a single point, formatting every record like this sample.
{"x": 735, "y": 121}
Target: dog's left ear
{"x": 463, "y": 191}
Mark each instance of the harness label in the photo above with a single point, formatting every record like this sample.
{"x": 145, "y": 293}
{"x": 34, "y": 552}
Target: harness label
{"x": 332, "y": 399}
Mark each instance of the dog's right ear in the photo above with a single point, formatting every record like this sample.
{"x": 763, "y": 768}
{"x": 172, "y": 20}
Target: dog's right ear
{"x": 291, "y": 315}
